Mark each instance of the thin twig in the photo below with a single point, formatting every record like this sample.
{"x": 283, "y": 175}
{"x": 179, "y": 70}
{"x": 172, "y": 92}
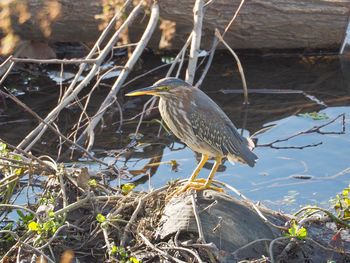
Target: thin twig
{"x": 131, "y": 222}
{"x": 124, "y": 73}
{"x": 215, "y": 44}
{"x": 198, "y": 220}
{"x": 34, "y": 114}
{"x": 252, "y": 204}
{"x": 273, "y": 243}
{"x": 54, "y": 61}
{"x": 161, "y": 252}
{"x": 72, "y": 92}
{"x": 239, "y": 65}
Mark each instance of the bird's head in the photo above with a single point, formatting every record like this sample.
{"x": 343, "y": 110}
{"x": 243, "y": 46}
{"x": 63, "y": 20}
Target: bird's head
{"x": 167, "y": 87}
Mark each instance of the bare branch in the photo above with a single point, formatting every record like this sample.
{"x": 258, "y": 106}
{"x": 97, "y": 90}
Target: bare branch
{"x": 198, "y": 11}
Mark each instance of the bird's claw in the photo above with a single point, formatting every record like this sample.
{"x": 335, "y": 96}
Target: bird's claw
{"x": 197, "y": 185}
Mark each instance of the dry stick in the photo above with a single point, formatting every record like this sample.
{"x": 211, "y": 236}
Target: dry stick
{"x": 7, "y": 72}
{"x": 105, "y": 236}
{"x": 63, "y": 189}
{"x": 272, "y": 244}
{"x": 83, "y": 112}
{"x": 215, "y": 43}
{"x": 99, "y": 41}
{"x": 198, "y": 14}
{"x": 239, "y": 65}
{"x": 54, "y": 61}
{"x": 177, "y": 58}
{"x": 196, "y": 256}
{"x": 73, "y": 91}
{"x": 66, "y": 225}
{"x": 251, "y": 244}
{"x": 26, "y": 108}
{"x": 145, "y": 74}
{"x": 16, "y": 237}
{"x": 131, "y": 221}
{"x": 125, "y": 72}
{"x": 198, "y": 220}
{"x": 164, "y": 254}
{"x": 28, "y": 155}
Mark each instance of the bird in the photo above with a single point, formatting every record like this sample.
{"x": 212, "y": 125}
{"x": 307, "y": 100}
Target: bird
{"x": 194, "y": 118}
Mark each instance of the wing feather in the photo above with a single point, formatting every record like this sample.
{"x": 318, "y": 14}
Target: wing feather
{"x": 211, "y": 125}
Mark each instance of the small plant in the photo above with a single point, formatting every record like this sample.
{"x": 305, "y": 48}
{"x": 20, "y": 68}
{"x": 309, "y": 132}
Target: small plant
{"x": 127, "y": 188}
{"x": 122, "y": 255}
{"x": 92, "y": 183}
{"x": 101, "y": 218}
{"x": 296, "y": 231}
{"x": 47, "y": 228}
{"x": 342, "y": 204}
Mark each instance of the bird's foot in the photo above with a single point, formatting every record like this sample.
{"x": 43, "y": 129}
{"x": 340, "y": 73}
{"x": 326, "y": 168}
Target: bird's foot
{"x": 197, "y": 185}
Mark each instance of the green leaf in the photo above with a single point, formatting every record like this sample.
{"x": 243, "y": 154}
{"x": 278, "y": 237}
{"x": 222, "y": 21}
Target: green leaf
{"x": 100, "y": 218}
{"x": 294, "y": 231}
{"x": 92, "y": 183}
{"x": 127, "y": 188}
{"x": 134, "y": 260}
{"x": 114, "y": 249}
{"x": 302, "y": 233}
{"x": 20, "y": 214}
{"x": 51, "y": 214}
{"x": 3, "y": 147}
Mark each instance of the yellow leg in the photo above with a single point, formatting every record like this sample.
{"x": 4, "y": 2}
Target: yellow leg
{"x": 201, "y": 184}
{"x": 207, "y": 184}
{"x": 199, "y": 167}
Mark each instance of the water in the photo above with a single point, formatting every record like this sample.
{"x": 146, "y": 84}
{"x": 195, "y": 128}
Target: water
{"x": 318, "y": 90}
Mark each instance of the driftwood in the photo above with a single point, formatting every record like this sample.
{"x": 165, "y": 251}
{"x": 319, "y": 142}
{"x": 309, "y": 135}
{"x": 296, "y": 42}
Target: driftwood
{"x": 233, "y": 231}
{"x": 274, "y": 24}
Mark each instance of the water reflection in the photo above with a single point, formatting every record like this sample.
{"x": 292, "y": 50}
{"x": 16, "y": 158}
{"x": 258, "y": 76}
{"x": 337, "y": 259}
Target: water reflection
{"x": 282, "y": 179}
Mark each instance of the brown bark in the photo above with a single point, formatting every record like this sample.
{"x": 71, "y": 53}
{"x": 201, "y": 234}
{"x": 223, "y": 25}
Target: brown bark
{"x": 273, "y": 24}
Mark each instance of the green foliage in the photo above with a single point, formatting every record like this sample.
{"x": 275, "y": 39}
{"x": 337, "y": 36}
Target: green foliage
{"x": 47, "y": 228}
{"x": 24, "y": 219}
{"x": 101, "y": 218}
{"x": 92, "y": 183}
{"x": 123, "y": 255}
{"x": 48, "y": 199}
{"x": 342, "y": 204}
{"x": 127, "y": 188}
{"x": 314, "y": 115}
{"x": 295, "y": 231}
{"x": 10, "y": 169}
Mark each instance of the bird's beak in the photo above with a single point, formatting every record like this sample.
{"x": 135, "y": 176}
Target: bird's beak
{"x": 145, "y": 91}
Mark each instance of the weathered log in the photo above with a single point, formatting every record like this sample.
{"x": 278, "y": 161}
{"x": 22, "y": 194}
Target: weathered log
{"x": 236, "y": 232}
{"x": 274, "y": 24}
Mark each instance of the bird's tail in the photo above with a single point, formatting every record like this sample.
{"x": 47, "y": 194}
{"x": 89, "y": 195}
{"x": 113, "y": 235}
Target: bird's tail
{"x": 246, "y": 154}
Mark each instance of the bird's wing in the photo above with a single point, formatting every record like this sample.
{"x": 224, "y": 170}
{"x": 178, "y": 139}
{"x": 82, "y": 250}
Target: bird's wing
{"x": 212, "y": 125}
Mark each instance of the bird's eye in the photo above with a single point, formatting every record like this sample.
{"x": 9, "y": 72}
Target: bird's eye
{"x": 163, "y": 88}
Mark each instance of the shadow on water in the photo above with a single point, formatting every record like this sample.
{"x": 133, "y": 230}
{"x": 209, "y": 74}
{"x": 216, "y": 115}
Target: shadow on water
{"x": 283, "y": 89}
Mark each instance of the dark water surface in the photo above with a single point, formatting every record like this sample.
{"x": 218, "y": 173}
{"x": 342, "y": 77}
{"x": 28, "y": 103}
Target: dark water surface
{"x": 308, "y": 169}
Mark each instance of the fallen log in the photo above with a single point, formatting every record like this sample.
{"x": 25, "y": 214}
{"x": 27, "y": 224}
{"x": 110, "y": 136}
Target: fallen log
{"x": 274, "y": 24}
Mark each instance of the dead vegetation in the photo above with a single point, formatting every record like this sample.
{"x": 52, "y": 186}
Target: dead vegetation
{"x": 76, "y": 214}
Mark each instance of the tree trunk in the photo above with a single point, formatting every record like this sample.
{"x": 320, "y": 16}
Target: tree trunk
{"x": 274, "y": 24}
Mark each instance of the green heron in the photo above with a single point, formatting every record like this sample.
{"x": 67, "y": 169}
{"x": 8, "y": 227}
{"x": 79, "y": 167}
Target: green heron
{"x": 200, "y": 123}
